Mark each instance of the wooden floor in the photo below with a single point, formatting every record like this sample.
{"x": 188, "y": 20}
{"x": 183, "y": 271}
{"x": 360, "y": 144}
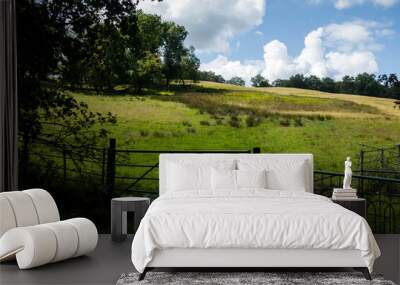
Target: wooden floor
{"x": 110, "y": 260}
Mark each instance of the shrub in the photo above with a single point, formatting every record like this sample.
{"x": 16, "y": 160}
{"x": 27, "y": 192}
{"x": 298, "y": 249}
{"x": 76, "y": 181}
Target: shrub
{"x": 234, "y": 121}
{"x": 191, "y": 130}
{"x": 252, "y": 121}
{"x": 144, "y": 133}
{"x": 158, "y": 134}
{"x": 205, "y": 123}
{"x": 177, "y": 134}
{"x": 298, "y": 122}
{"x": 216, "y": 117}
{"x": 187, "y": 123}
{"x": 219, "y": 121}
{"x": 285, "y": 122}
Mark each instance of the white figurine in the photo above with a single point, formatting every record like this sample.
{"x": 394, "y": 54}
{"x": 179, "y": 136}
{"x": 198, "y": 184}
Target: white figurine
{"x": 347, "y": 174}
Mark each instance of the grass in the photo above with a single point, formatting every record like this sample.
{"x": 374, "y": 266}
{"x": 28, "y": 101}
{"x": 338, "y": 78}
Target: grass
{"x": 219, "y": 116}
{"x": 214, "y": 116}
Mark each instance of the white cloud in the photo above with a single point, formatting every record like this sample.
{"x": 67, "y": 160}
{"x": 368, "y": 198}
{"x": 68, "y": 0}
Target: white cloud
{"x": 334, "y": 50}
{"x": 258, "y": 33}
{"x": 211, "y": 24}
{"x": 228, "y": 69}
{"x": 280, "y": 65}
{"x": 385, "y": 32}
{"x": 341, "y": 64}
{"x": 345, "y": 4}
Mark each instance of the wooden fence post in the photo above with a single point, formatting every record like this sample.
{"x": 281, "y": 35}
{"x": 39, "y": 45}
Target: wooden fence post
{"x": 110, "y": 180}
{"x": 256, "y": 150}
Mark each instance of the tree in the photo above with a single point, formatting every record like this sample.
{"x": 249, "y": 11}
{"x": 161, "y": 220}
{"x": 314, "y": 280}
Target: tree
{"x": 346, "y": 85}
{"x": 366, "y": 84}
{"x": 392, "y": 80}
{"x": 393, "y": 86}
{"x": 297, "y": 81}
{"x": 236, "y": 80}
{"x": 312, "y": 82}
{"x": 93, "y": 43}
{"x": 142, "y": 53}
{"x": 44, "y": 31}
{"x": 259, "y": 81}
{"x": 210, "y": 76}
{"x": 148, "y": 71}
{"x": 383, "y": 79}
{"x": 281, "y": 83}
{"x": 328, "y": 85}
{"x": 173, "y": 50}
{"x": 190, "y": 66}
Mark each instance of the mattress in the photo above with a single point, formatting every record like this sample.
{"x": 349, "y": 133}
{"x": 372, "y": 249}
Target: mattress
{"x": 250, "y": 219}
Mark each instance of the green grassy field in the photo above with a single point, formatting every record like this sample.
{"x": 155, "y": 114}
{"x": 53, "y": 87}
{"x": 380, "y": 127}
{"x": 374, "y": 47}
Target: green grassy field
{"x": 216, "y": 116}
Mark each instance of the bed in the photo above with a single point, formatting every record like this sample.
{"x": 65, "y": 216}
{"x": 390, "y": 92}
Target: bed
{"x": 245, "y": 211}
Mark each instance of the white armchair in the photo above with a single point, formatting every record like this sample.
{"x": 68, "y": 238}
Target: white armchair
{"x": 31, "y": 230}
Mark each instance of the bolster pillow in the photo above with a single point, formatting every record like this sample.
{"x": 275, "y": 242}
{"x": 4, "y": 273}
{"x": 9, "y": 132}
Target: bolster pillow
{"x": 40, "y": 244}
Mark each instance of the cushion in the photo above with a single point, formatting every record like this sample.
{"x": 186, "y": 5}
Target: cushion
{"x": 23, "y": 208}
{"x": 26, "y": 208}
{"x": 193, "y": 175}
{"x": 87, "y": 234}
{"x": 223, "y": 179}
{"x": 251, "y": 178}
{"x": 188, "y": 177}
{"x": 41, "y": 244}
{"x": 282, "y": 174}
{"x": 45, "y": 205}
{"x": 7, "y": 218}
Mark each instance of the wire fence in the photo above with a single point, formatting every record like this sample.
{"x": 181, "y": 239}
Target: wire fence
{"x": 120, "y": 172}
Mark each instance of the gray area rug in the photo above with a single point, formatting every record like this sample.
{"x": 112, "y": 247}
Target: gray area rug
{"x": 229, "y": 278}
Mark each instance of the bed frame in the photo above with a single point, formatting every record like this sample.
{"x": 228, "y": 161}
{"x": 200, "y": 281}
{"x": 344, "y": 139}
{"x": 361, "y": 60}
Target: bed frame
{"x": 238, "y": 259}
{"x": 250, "y": 259}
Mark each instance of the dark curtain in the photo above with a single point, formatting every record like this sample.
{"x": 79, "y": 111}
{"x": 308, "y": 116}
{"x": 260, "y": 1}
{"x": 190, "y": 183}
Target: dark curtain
{"x": 8, "y": 97}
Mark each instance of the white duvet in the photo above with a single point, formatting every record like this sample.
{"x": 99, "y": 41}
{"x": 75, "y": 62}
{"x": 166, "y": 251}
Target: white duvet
{"x": 250, "y": 219}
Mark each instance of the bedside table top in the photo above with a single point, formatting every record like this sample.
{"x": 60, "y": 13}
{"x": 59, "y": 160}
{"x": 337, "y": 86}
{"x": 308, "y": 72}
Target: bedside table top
{"x": 349, "y": 200}
{"x": 130, "y": 199}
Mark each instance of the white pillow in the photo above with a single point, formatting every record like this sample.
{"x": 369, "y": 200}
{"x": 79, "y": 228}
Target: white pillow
{"x": 188, "y": 177}
{"x": 193, "y": 174}
{"x": 251, "y": 178}
{"x": 292, "y": 179}
{"x": 223, "y": 179}
{"x": 281, "y": 174}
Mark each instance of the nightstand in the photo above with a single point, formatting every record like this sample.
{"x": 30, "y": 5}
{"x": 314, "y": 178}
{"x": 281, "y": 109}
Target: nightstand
{"x": 119, "y": 208}
{"x": 357, "y": 205}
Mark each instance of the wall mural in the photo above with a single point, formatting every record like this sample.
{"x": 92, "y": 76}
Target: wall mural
{"x": 105, "y": 87}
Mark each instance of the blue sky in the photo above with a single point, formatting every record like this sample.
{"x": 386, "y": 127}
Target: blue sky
{"x": 291, "y": 20}
{"x": 246, "y": 37}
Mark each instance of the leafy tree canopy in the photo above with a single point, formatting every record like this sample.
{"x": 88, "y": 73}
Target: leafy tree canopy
{"x": 259, "y": 81}
{"x": 236, "y": 81}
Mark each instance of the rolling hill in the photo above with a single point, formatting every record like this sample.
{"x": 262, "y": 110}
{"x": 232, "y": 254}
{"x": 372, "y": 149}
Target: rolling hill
{"x": 214, "y": 116}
